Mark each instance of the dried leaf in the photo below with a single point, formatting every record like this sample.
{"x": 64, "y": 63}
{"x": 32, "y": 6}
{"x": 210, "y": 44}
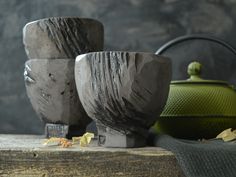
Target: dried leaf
{"x": 230, "y": 137}
{"x": 76, "y": 140}
{"x": 58, "y": 141}
{"x": 86, "y": 139}
{"x": 227, "y": 135}
{"x": 224, "y": 133}
{"x": 65, "y": 143}
{"x": 52, "y": 141}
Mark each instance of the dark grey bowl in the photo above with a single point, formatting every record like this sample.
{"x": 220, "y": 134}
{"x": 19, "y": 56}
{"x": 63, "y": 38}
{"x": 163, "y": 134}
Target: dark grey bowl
{"x": 124, "y": 92}
{"x": 50, "y": 86}
{"x": 62, "y": 37}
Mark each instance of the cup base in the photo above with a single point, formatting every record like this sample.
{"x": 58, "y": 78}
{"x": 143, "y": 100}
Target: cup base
{"x": 108, "y": 137}
{"x": 63, "y": 131}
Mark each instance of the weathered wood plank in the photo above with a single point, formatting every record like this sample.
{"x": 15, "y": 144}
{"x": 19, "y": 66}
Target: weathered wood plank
{"x": 24, "y": 155}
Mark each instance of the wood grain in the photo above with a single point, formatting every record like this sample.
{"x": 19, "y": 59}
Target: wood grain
{"x": 24, "y": 155}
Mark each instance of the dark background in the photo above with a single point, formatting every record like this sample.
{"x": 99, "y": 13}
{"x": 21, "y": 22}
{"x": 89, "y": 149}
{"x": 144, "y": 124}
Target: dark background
{"x": 133, "y": 25}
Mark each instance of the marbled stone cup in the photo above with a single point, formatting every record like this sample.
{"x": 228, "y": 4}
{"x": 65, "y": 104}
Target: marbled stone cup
{"x": 62, "y": 37}
{"x": 124, "y": 92}
{"x": 50, "y": 86}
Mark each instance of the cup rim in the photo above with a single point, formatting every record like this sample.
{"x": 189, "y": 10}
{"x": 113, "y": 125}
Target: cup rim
{"x": 35, "y": 60}
{"x": 79, "y": 57}
{"x": 63, "y": 17}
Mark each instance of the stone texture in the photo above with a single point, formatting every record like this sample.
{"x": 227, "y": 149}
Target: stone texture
{"x": 22, "y": 155}
{"x": 52, "y": 92}
{"x": 59, "y": 130}
{"x": 124, "y": 92}
{"x": 62, "y": 37}
{"x": 50, "y": 85}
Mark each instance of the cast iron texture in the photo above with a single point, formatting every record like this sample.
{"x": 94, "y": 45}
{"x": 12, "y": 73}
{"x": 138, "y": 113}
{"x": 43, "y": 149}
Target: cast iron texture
{"x": 197, "y": 108}
{"x": 50, "y": 86}
{"x": 124, "y": 92}
{"x": 62, "y": 37}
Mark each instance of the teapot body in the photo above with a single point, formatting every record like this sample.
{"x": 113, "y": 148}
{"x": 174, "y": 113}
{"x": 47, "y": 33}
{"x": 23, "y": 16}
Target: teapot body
{"x": 198, "y": 108}
{"x": 198, "y": 111}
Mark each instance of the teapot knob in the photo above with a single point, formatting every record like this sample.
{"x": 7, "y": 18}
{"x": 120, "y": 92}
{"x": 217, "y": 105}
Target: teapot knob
{"x": 194, "y": 70}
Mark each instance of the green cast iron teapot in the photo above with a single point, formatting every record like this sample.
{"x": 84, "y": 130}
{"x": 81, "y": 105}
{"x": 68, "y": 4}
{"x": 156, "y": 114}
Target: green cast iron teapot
{"x": 198, "y": 108}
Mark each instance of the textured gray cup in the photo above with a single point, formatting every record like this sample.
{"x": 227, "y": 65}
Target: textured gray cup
{"x": 62, "y": 37}
{"x": 124, "y": 92}
{"x": 50, "y": 83}
{"x": 50, "y": 86}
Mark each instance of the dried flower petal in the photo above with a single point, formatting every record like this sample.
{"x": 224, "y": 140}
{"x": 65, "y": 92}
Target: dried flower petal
{"x": 58, "y": 141}
{"x": 52, "y": 141}
{"x": 227, "y": 135}
{"x": 76, "y": 139}
{"x": 65, "y": 143}
{"x": 86, "y": 139}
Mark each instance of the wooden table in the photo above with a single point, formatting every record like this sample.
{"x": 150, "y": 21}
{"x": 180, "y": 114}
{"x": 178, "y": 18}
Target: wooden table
{"x": 25, "y": 155}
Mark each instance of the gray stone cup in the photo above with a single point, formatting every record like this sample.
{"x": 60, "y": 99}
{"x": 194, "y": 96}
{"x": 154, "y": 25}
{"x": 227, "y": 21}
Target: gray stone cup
{"x": 50, "y": 83}
{"x": 123, "y": 92}
{"x": 50, "y": 86}
{"x": 62, "y": 37}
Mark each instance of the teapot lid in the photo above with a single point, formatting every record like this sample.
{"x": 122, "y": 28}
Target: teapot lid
{"x": 194, "y": 71}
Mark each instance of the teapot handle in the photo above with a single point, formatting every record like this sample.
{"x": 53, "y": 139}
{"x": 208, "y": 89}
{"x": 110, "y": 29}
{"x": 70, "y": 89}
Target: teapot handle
{"x": 192, "y": 37}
